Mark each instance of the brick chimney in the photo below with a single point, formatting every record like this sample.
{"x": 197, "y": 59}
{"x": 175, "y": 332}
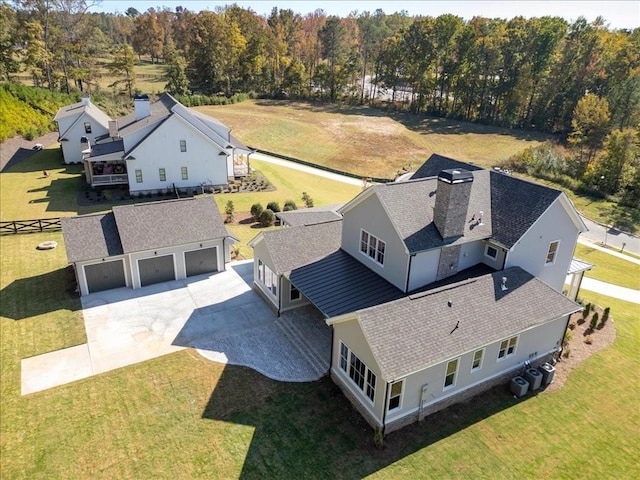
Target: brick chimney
{"x": 452, "y": 202}
{"x": 142, "y": 106}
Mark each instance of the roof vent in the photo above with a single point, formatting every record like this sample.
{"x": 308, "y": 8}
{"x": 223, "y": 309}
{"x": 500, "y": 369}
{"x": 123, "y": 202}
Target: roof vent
{"x": 504, "y": 287}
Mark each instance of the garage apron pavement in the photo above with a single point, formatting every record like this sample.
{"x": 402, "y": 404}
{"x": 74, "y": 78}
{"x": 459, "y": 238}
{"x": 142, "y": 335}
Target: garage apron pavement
{"x": 218, "y": 314}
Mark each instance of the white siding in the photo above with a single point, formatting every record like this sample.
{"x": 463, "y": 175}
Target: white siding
{"x": 470, "y": 254}
{"x": 530, "y": 252}
{"x": 371, "y": 216}
{"x": 162, "y": 150}
{"x": 423, "y": 269}
{"x": 72, "y": 148}
{"x": 532, "y": 344}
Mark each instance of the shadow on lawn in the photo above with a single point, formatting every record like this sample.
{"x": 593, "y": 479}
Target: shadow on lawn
{"x": 29, "y": 297}
{"x": 310, "y": 430}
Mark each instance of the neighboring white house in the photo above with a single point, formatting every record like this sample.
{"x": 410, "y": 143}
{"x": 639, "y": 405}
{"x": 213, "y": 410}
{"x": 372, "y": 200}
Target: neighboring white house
{"x": 78, "y": 125}
{"x": 160, "y": 147}
{"x": 436, "y": 288}
{"x": 142, "y": 244}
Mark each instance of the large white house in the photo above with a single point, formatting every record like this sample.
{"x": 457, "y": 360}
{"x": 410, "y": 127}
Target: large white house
{"x": 436, "y": 288}
{"x": 161, "y": 146}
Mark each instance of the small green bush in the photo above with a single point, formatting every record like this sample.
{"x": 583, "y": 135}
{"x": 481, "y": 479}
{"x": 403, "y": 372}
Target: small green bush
{"x": 308, "y": 201}
{"x": 267, "y": 218}
{"x": 273, "y": 206}
{"x": 605, "y": 316}
{"x": 594, "y": 321}
{"x": 229, "y": 209}
{"x": 588, "y": 339}
{"x": 256, "y": 211}
{"x": 586, "y": 311}
{"x": 567, "y": 337}
{"x": 290, "y": 205}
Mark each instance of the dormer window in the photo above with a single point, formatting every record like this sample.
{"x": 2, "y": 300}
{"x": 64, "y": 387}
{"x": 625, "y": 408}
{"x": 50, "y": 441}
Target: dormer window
{"x": 87, "y": 127}
{"x": 372, "y": 246}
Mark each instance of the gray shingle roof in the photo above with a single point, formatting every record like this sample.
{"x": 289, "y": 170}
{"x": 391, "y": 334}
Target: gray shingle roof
{"x": 146, "y": 226}
{"x": 338, "y": 284}
{"x": 410, "y": 206}
{"x": 307, "y": 217}
{"x": 107, "y": 148}
{"x": 418, "y": 331}
{"x": 516, "y": 204}
{"x": 89, "y": 237}
{"x": 294, "y": 247}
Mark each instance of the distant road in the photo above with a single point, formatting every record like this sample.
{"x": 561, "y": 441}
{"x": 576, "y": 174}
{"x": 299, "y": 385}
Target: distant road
{"x": 610, "y": 236}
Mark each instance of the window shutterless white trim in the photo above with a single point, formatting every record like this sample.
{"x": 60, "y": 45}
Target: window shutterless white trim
{"x": 450, "y": 374}
{"x": 552, "y": 253}
{"x": 185, "y": 173}
{"x": 476, "y": 361}
{"x": 183, "y": 145}
{"x": 507, "y": 347}
{"x": 267, "y": 278}
{"x": 395, "y": 395}
{"x": 491, "y": 252}
{"x": 138, "y": 176}
{"x": 372, "y": 247}
{"x": 162, "y": 173}
{"x": 358, "y": 372}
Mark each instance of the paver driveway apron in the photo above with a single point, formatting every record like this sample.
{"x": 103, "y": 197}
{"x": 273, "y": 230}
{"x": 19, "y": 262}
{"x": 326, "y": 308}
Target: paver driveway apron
{"x": 219, "y": 315}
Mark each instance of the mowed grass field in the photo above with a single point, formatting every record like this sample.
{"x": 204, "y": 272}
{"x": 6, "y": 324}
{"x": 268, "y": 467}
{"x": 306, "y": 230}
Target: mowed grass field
{"x": 180, "y": 416}
{"x": 362, "y": 140}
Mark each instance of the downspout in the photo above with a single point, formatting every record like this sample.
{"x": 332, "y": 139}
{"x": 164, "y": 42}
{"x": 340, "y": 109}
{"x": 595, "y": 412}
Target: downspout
{"x": 563, "y": 334}
{"x": 384, "y": 408}
{"x": 406, "y": 288}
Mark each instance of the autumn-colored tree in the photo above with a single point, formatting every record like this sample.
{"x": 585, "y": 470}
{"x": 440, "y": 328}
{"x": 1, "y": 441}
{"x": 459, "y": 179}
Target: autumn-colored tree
{"x": 122, "y": 67}
{"x": 590, "y": 125}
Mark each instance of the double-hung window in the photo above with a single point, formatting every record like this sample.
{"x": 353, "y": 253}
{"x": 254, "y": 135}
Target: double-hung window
{"x": 138, "y": 176}
{"x": 551, "y": 253}
{"x": 183, "y": 145}
{"x": 185, "y": 173}
{"x": 450, "y": 376}
{"x": 163, "y": 174}
{"x": 87, "y": 127}
{"x": 372, "y": 246}
{"x": 358, "y": 372}
{"x": 395, "y": 395}
{"x": 476, "y": 364}
{"x": 507, "y": 347}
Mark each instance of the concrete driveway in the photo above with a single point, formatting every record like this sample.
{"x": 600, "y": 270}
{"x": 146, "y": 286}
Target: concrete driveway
{"x": 219, "y": 315}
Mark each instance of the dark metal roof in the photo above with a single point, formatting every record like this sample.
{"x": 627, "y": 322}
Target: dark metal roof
{"x": 107, "y": 148}
{"x": 339, "y": 284}
{"x": 146, "y": 226}
{"x": 293, "y": 247}
{"x": 89, "y": 237}
{"x": 411, "y": 204}
{"x": 421, "y": 330}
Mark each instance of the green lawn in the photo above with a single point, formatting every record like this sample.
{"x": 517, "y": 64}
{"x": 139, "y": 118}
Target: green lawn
{"x": 609, "y": 268}
{"x": 180, "y": 416}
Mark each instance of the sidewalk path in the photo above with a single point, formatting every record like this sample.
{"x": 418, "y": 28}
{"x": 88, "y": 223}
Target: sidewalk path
{"x": 621, "y": 293}
{"x": 595, "y": 246}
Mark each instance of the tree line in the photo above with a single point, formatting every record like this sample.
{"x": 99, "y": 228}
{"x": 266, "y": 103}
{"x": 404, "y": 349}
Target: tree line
{"x": 580, "y": 80}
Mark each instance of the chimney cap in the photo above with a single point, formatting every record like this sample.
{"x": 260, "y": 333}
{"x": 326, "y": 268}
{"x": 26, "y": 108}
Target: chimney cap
{"x": 455, "y": 175}
{"x": 141, "y": 97}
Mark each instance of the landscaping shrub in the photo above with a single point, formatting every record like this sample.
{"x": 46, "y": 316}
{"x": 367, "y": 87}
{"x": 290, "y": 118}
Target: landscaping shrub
{"x": 267, "y": 218}
{"x": 567, "y": 337}
{"x": 273, "y": 206}
{"x": 229, "y": 210}
{"x": 572, "y": 325}
{"x": 308, "y": 201}
{"x": 594, "y": 321}
{"x": 256, "y": 211}
{"x": 605, "y": 316}
{"x": 290, "y": 205}
{"x": 566, "y": 352}
{"x": 586, "y": 311}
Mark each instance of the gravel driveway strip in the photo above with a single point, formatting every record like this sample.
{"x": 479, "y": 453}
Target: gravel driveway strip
{"x": 219, "y": 315}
